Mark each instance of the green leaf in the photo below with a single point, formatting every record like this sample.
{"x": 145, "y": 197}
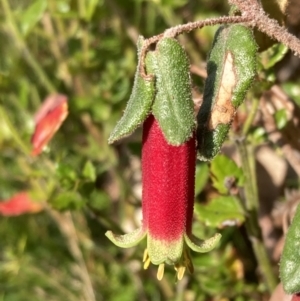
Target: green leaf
{"x": 202, "y": 176}
{"x": 99, "y": 200}
{"x": 223, "y": 168}
{"x": 66, "y": 174}
{"x": 32, "y": 15}
{"x": 67, "y": 200}
{"x": 290, "y": 259}
{"x": 140, "y": 101}
{"x": 231, "y": 68}
{"x": 273, "y": 55}
{"x": 173, "y": 105}
{"x": 89, "y": 171}
{"x": 91, "y": 6}
{"x": 221, "y": 211}
{"x": 281, "y": 118}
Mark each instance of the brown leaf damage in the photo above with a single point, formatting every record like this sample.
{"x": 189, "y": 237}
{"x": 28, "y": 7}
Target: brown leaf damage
{"x": 223, "y": 110}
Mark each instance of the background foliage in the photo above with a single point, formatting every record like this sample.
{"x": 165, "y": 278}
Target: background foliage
{"x": 86, "y": 50}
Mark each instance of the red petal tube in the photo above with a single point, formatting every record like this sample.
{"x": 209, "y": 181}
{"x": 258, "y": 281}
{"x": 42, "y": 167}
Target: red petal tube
{"x": 168, "y": 175}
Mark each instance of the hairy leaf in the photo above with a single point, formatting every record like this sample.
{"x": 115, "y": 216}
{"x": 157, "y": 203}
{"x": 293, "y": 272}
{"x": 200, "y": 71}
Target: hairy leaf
{"x": 231, "y": 68}
{"x": 173, "y": 106}
{"x": 290, "y": 259}
{"x": 140, "y": 101}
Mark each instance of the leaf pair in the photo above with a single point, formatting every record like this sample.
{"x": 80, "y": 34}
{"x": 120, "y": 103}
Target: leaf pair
{"x": 167, "y": 95}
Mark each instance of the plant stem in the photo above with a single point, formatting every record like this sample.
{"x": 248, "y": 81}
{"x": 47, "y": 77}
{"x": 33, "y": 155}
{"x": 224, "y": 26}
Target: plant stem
{"x": 66, "y": 225}
{"x": 251, "y": 223}
{"x": 23, "y": 146}
{"x": 251, "y": 116}
{"x": 21, "y": 45}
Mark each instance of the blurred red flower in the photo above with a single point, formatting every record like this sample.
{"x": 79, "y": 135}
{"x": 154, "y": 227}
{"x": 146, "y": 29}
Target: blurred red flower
{"x": 48, "y": 119}
{"x": 19, "y": 204}
{"x": 296, "y": 297}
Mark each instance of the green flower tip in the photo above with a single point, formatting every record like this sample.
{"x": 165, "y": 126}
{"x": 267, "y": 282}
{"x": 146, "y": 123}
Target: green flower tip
{"x": 161, "y": 253}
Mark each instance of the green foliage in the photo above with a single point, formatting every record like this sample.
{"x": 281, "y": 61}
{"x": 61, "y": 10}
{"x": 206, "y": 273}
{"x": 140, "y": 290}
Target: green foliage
{"x": 220, "y": 212}
{"x": 289, "y": 263}
{"x": 32, "y": 15}
{"x": 225, "y": 170}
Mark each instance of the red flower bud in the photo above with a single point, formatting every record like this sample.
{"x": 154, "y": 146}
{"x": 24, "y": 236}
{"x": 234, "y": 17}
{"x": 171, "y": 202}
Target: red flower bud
{"x": 19, "y": 204}
{"x": 48, "y": 119}
{"x": 168, "y": 176}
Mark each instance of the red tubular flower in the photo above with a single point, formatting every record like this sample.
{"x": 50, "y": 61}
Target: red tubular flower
{"x": 48, "y": 119}
{"x": 20, "y": 203}
{"x": 168, "y": 176}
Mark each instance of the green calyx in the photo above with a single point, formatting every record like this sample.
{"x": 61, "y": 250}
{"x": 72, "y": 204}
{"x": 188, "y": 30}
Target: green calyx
{"x": 231, "y": 68}
{"x": 167, "y": 94}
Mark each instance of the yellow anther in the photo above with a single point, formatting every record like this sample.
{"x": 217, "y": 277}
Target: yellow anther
{"x": 160, "y": 271}
{"x": 147, "y": 263}
{"x": 180, "y": 272}
{"x": 145, "y": 256}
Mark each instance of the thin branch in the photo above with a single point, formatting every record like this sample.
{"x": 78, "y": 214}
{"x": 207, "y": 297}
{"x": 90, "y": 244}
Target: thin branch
{"x": 67, "y": 228}
{"x": 252, "y": 14}
{"x": 185, "y": 28}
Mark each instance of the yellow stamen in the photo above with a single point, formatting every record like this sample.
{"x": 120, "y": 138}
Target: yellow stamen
{"x": 180, "y": 272}
{"x": 160, "y": 271}
{"x": 147, "y": 263}
{"x": 145, "y": 256}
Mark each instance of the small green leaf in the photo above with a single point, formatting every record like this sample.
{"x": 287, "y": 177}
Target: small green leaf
{"x": 231, "y": 68}
{"x": 67, "y": 200}
{"x": 90, "y": 8}
{"x": 89, "y": 171}
{"x": 202, "y": 176}
{"x": 292, "y": 90}
{"x": 173, "y": 105}
{"x": 140, "y": 101}
{"x": 32, "y": 15}
{"x": 66, "y": 174}
{"x": 290, "y": 259}
{"x": 281, "y": 119}
{"x": 273, "y": 55}
{"x": 222, "y": 168}
{"x": 99, "y": 200}
{"x": 221, "y": 211}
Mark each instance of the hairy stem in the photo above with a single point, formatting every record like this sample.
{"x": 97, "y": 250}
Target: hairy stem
{"x": 186, "y": 28}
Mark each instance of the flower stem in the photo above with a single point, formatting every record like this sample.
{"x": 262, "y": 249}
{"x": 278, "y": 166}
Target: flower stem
{"x": 252, "y": 205}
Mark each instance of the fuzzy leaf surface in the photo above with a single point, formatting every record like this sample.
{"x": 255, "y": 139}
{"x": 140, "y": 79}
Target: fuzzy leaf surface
{"x": 173, "y": 106}
{"x": 290, "y": 259}
{"x": 231, "y": 68}
{"x": 140, "y": 101}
